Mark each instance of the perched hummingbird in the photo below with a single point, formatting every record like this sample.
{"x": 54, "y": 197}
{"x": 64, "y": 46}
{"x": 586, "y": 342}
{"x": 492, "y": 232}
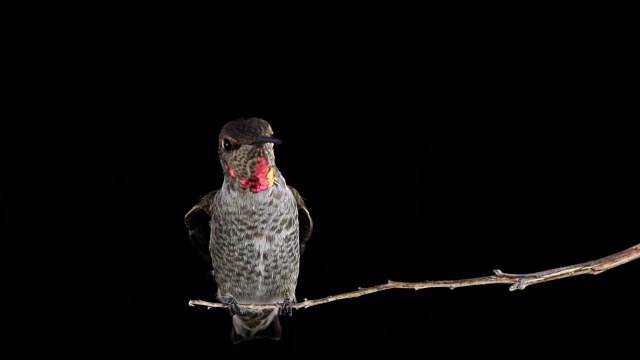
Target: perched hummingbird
{"x": 252, "y": 230}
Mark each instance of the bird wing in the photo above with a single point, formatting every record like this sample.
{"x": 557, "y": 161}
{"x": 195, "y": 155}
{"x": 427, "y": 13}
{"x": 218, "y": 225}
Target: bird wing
{"x": 304, "y": 218}
{"x": 198, "y": 222}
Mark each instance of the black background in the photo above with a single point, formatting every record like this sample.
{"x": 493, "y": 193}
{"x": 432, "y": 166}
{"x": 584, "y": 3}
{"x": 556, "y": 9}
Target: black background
{"x": 431, "y": 142}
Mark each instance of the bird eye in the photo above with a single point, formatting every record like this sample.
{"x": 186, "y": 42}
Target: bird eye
{"x": 227, "y": 145}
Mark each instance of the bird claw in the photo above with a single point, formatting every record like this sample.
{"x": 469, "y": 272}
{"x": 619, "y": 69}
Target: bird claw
{"x": 286, "y": 308}
{"x": 234, "y": 307}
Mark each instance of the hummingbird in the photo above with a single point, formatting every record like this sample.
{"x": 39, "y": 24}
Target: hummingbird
{"x": 252, "y": 231}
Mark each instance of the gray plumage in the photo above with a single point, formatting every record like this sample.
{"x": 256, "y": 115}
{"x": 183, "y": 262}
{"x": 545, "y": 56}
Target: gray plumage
{"x": 252, "y": 231}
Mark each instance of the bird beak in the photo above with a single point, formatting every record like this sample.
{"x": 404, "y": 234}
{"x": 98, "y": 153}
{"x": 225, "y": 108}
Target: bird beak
{"x": 266, "y": 139}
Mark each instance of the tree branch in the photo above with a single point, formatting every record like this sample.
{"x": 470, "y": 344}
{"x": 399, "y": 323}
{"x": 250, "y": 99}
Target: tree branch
{"x": 517, "y": 281}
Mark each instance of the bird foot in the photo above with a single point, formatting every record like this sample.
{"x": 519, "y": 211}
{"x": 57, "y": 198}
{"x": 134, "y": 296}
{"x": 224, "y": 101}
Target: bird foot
{"x": 286, "y": 308}
{"x": 234, "y": 307}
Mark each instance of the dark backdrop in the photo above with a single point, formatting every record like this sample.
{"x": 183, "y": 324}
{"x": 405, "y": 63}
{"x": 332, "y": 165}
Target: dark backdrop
{"x": 431, "y": 142}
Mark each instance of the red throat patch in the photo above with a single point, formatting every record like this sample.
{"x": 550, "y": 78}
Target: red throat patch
{"x": 261, "y": 179}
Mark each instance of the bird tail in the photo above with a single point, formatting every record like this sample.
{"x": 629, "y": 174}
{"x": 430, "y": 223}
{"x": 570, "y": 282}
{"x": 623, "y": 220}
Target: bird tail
{"x": 255, "y": 325}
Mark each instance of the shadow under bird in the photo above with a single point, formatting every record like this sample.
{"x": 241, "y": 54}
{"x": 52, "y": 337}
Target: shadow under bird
{"x": 252, "y": 231}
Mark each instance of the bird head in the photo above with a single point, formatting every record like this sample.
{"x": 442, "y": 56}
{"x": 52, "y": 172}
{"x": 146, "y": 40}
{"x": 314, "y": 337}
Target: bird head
{"x": 245, "y": 149}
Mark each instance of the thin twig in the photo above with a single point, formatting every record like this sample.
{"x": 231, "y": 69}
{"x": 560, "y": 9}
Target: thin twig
{"x": 517, "y": 281}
